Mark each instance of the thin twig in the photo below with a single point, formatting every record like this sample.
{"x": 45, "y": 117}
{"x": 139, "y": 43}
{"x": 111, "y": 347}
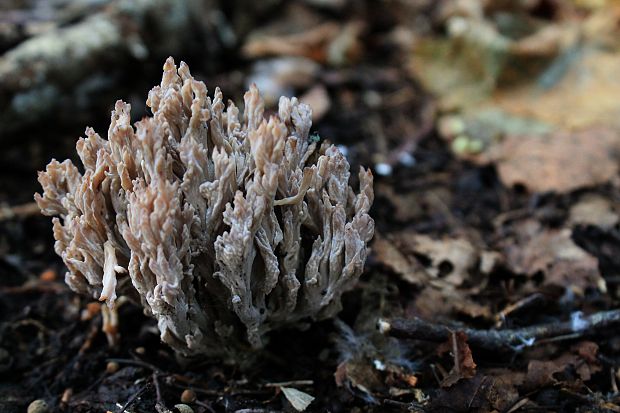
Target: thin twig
{"x": 205, "y": 405}
{"x": 139, "y": 363}
{"x": 525, "y": 302}
{"x": 133, "y": 398}
{"x": 19, "y": 211}
{"x": 157, "y": 389}
{"x": 504, "y": 340}
{"x": 298, "y": 383}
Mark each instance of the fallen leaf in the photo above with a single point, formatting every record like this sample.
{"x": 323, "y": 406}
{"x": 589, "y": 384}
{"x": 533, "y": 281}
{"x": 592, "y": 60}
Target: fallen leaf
{"x": 329, "y": 42}
{"x": 441, "y": 266}
{"x": 451, "y": 258}
{"x": 464, "y": 365}
{"x": 298, "y": 399}
{"x": 311, "y": 43}
{"x": 360, "y": 375}
{"x": 593, "y": 210}
{"x": 280, "y": 76}
{"x": 540, "y": 373}
{"x": 541, "y": 163}
{"x": 318, "y": 100}
{"x": 392, "y": 258}
{"x": 479, "y": 394}
{"x": 582, "y": 95}
{"x": 582, "y": 358}
{"x": 554, "y": 254}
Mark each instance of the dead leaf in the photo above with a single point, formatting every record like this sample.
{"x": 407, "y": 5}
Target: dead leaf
{"x": 540, "y": 373}
{"x": 593, "y": 210}
{"x": 461, "y": 70}
{"x": 477, "y": 394}
{"x": 318, "y": 99}
{"x": 298, "y": 399}
{"x": 554, "y": 254}
{"x": 392, "y": 258}
{"x": 360, "y": 375}
{"x": 559, "y": 162}
{"x": 279, "y": 76}
{"x": 441, "y": 266}
{"x": 330, "y": 42}
{"x": 464, "y": 365}
{"x": 311, "y": 43}
{"x": 451, "y": 258}
{"x": 588, "y": 350}
{"x": 582, "y": 358}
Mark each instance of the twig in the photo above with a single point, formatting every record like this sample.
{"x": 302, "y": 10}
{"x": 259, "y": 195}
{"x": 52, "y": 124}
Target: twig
{"x": 409, "y": 407}
{"x": 157, "y": 390}
{"x": 503, "y": 340}
{"x": 19, "y": 211}
{"x": 298, "y": 383}
{"x": 518, "y": 306}
{"x": 205, "y": 405}
{"x": 133, "y": 398}
{"x": 139, "y": 363}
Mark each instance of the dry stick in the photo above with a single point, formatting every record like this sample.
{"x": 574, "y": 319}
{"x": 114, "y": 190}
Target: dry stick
{"x": 503, "y": 340}
{"x": 133, "y": 398}
{"x": 157, "y": 390}
{"x": 19, "y": 211}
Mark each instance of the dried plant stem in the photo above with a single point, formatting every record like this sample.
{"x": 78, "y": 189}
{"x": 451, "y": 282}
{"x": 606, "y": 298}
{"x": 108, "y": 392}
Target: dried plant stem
{"x": 503, "y": 340}
{"x": 19, "y": 211}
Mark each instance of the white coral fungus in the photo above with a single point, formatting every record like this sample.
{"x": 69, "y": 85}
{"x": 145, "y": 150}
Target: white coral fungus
{"x": 224, "y": 226}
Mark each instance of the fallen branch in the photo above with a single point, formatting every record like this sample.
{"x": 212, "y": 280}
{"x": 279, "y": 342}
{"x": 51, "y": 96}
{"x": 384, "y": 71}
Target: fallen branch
{"x": 504, "y": 340}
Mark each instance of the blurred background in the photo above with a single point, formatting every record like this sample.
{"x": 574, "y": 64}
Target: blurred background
{"x": 527, "y": 88}
{"x": 495, "y": 123}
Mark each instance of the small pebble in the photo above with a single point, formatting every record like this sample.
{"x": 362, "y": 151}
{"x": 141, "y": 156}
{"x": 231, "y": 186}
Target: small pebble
{"x": 112, "y": 367}
{"x": 188, "y": 396}
{"x": 38, "y": 406}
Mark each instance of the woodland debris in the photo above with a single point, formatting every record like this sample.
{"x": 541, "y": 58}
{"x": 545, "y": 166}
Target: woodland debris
{"x": 504, "y": 340}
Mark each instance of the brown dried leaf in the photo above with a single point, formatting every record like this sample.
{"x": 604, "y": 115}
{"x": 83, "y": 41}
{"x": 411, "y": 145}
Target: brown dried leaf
{"x": 328, "y": 42}
{"x": 392, "y": 258}
{"x": 464, "y": 365}
{"x": 555, "y": 255}
{"x": 451, "y": 258}
{"x": 582, "y": 357}
{"x": 359, "y": 375}
{"x": 318, "y": 99}
{"x": 594, "y": 210}
{"x": 441, "y": 266}
{"x": 540, "y": 163}
{"x": 480, "y": 394}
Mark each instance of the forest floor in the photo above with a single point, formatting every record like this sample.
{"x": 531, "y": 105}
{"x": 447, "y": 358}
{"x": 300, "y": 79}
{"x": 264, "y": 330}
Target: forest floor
{"x": 493, "y": 132}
